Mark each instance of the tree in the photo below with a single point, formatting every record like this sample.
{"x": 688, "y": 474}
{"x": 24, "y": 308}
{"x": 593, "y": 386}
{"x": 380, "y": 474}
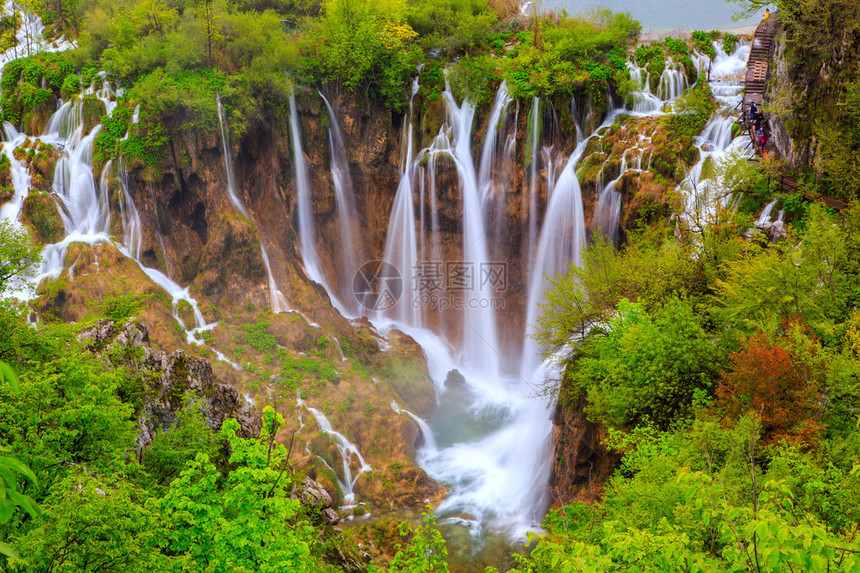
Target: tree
{"x": 247, "y": 521}
{"x": 425, "y": 552}
{"x": 646, "y": 368}
{"x": 18, "y": 256}
{"x": 94, "y": 524}
{"x": 781, "y": 381}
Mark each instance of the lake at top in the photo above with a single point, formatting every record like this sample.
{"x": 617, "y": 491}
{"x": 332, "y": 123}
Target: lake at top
{"x": 664, "y": 15}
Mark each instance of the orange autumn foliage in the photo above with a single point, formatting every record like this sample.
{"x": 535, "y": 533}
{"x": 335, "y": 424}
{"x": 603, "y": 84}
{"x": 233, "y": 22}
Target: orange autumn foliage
{"x": 779, "y": 379}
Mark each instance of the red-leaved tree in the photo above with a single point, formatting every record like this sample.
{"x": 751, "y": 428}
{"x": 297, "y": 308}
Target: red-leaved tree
{"x": 779, "y": 378}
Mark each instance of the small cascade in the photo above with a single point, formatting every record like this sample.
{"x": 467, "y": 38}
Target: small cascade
{"x": 644, "y": 102}
{"x": 228, "y": 164}
{"x": 307, "y": 242}
{"x": 66, "y": 120}
{"x": 11, "y": 210}
{"x": 347, "y": 450}
{"x": 608, "y": 211}
{"x": 778, "y": 227}
{"x": 277, "y": 300}
{"x": 716, "y": 141}
{"x": 764, "y": 218}
{"x": 673, "y": 81}
{"x": 429, "y": 445}
{"x": 350, "y": 240}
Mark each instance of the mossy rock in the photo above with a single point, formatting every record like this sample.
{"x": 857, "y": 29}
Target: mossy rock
{"x": 40, "y": 213}
{"x": 186, "y": 313}
{"x": 36, "y": 119}
{"x": 92, "y": 112}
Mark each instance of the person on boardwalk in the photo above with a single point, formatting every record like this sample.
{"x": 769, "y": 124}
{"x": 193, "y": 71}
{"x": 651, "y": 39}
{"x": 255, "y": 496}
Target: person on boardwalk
{"x": 766, "y": 14}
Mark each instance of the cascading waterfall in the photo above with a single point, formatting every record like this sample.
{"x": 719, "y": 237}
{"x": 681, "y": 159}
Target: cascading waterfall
{"x": 228, "y": 164}
{"x": 347, "y": 450}
{"x": 307, "y": 242}
{"x": 533, "y": 144}
{"x": 277, "y": 300}
{"x": 715, "y": 141}
{"x": 480, "y": 345}
{"x": 86, "y": 210}
{"x": 673, "y": 81}
{"x": 131, "y": 227}
{"x": 401, "y": 241}
{"x": 350, "y": 240}
{"x": 489, "y": 154}
{"x": 764, "y": 218}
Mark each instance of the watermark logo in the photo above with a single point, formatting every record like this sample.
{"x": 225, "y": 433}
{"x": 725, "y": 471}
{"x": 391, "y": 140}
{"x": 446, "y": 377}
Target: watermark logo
{"x": 377, "y": 285}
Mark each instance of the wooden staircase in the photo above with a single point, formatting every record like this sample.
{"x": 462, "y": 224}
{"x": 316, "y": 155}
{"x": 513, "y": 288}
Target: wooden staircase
{"x": 756, "y": 83}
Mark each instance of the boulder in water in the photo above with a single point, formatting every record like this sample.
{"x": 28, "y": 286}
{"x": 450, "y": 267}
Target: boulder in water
{"x": 454, "y": 379}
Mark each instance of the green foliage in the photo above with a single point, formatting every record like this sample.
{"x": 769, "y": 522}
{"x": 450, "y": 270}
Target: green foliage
{"x": 21, "y": 89}
{"x": 469, "y": 78}
{"x": 175, "y": 446}
{"x": 651, "y": 57}
{"x": 229, "y": 525}
{"x": 570, "y": 55}
{"x": 184, "y": 508}
{"x": 454, "y": 27}
{"x": 93, "y": 524}
{"x": 425, "y": 551}
{"x": 700, "y": 500}
{"x": 646, "y": 368}
{"x": 18, "y": 256}
{"x": 257, "y": 336}
{"x": 10, "y": 469}
{"x": 121, "y": 307}
{"x": 796, "y": 279}
{"x": 690, "y": 113}
{"x": 704, "y": 43}
{"x": 730, "y": 42}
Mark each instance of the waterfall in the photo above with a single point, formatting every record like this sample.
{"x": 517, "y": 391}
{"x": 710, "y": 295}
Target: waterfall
{"x": 228, "y": 165}
{"x": 277, "y": 300}
{"x": 307, "y": 242}
{"x": 401, "y": 240}
{"x": 532, "y": 145}
{"x": 480, "y": 345}
{"x": 608, "y": 211}
{"x": 673, "y": 81}
{"x": 350, "y": 241}
{"x": 131, "y": 227}
{"x": 489, "y": 154}
{"x": 429, "y": 445}
{"x": 764, "y": 218}
{"x": 347, "y": 450}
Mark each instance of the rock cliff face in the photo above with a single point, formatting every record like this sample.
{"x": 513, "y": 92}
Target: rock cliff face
{"x": 174, "y": 379}
{"x": 581, "y": 463}
{"x": 781, "y": 91}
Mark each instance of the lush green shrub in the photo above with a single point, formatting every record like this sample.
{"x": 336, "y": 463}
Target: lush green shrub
{"x": 703, "y": 42}
{"x": 691, "y": 112}
{"x": 730, "y": 42}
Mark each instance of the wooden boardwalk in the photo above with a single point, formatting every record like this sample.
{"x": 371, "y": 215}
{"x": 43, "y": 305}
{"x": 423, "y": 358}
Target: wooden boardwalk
{"x": 755, "y": 84}
{"x": 757, "y": 66}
